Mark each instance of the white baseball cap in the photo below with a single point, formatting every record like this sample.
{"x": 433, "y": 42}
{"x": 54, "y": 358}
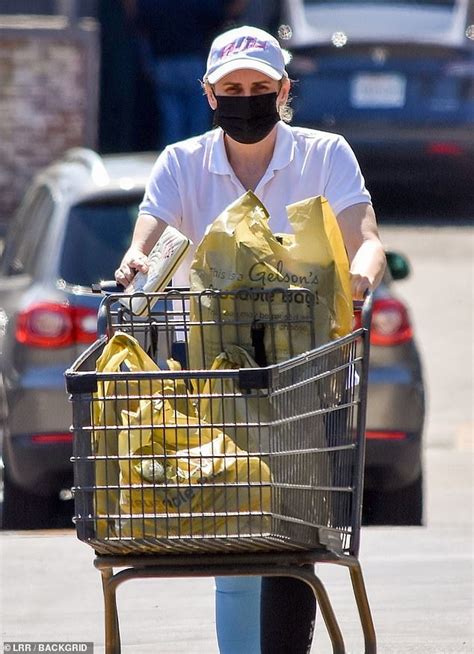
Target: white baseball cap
{"x": 245, "y": 47}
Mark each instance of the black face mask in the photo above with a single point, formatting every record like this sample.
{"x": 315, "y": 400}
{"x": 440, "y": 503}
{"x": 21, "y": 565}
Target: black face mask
{"x": 246, "y": 118}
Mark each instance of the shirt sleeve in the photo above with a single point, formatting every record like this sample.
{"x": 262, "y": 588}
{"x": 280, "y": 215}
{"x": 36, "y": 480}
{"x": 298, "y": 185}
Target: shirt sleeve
{"x": 162, "y": 196}
{"x": 345, "y": 184}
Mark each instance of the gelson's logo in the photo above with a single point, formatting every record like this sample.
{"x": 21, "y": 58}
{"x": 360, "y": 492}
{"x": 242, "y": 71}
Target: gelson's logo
{"x": 259, "y": 272}
{"x": 270, "y": 295}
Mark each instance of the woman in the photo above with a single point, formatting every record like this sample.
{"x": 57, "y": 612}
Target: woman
{"x": 192, "y": 182}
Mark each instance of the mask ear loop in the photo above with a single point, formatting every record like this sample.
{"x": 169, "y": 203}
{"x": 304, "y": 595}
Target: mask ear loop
{"x": 214, "y": 112}
{"x": 283, "y": 108}
{"x": 204, "y": 86}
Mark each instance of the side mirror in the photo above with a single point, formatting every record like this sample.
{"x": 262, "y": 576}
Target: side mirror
{"x": 398, "y": 265}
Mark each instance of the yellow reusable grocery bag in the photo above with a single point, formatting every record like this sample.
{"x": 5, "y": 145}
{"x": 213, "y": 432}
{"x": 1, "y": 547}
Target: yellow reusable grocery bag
{"x": 170, "y": 474}
{"x": 245, "y": 414}
{"x": 185, "y": 478}
{"x": 239, "y": 251}
{"x": 247, "y": 418}
{"x": 109, "y": 400}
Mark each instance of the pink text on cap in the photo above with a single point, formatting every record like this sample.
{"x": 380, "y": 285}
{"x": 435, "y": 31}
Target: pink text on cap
{"x": 240, "y": 45}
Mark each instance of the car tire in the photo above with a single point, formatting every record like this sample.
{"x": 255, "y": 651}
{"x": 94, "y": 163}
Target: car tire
{"x": 401, "y": 507}
{"x": 24, "y": 510}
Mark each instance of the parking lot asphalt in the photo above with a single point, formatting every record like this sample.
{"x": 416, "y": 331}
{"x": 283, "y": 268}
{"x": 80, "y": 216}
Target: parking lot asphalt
{"x": 419, "y": 581}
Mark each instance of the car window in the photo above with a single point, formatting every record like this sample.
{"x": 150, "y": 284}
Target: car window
{"x": 27, "y": 233}
{"x": 96, "y": 237}
{"x": 391, "y": 20}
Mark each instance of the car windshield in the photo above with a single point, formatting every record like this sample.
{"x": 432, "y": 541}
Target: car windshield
{"x": 97, "y": 235}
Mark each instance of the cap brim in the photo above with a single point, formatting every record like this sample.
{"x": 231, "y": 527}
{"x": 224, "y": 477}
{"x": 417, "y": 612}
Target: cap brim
{"x": 242, "y": 64}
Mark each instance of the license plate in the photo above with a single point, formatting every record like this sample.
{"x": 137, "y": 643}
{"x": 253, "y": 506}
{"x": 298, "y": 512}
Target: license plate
{"x": 378, "y": 90}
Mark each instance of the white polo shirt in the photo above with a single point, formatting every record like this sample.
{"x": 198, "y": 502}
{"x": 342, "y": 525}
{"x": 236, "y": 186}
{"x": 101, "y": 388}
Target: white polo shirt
{"x": 192, "y": 181}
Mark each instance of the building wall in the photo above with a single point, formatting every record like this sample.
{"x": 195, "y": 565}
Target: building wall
{"x": 49, "y": 76}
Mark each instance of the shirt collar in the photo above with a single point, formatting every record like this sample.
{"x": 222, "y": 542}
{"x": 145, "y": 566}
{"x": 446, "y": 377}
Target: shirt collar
{"x": 218, "y": 161}
{"x": 284, "y": 147}
{"x": 282, "y": 155}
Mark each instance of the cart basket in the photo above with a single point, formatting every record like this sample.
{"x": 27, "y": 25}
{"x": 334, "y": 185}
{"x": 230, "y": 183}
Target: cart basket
{"x": 241, "y": 453}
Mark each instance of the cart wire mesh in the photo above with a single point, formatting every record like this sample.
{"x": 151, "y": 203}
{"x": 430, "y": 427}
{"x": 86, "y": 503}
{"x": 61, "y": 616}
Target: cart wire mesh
{"x": 251, "y": 453}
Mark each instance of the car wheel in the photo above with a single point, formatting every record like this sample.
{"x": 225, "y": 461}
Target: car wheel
{"x": 402, "y": 507}
{"x": 24, "y": 510}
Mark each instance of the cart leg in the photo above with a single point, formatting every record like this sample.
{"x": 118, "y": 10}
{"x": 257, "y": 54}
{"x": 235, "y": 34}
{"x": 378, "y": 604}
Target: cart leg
{"x": 112, "y": 629}
{"x": 364, "y": 609}
{"x": 326, "y": 609}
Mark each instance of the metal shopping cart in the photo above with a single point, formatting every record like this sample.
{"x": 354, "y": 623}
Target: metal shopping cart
{"x": 269, "y": 478}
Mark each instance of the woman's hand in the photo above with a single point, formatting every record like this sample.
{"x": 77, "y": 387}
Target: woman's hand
{"x": 133, "y": 261}
{"x": 148, "y": 230}
{"x": 360, "y": 284}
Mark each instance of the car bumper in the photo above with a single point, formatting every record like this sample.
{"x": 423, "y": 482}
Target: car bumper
{"x": 42, "y": 468}
{"x": 38, "y": 444}
{"x": 394, "y": 426}
{"x": 396, "y": 400}
{"x": 393, "y": 464}
{"x": 37, "y": 402}
{"x": 411, "y": 156}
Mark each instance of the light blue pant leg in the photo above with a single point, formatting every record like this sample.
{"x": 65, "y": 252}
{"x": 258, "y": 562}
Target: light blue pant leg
{"x": 238, "y": 614}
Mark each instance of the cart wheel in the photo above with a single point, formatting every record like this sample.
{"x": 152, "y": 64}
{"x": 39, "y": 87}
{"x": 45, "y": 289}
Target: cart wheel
{"x": 24, "y": 510}
{"x": 402, "y": 507}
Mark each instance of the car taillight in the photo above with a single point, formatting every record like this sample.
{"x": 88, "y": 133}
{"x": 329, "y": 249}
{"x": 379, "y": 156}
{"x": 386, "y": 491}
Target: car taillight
{"x": 48, "y": 439}
{"x": 390, "y": 323}
{"x": 385, "y": 435}
{"x": 51, "y": 325}
{"x": 444, "y": 149}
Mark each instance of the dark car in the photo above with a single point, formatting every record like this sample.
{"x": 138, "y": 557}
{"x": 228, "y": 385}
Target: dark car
{"x": 395, "y": 410}
{"x": 396, "y": 78}
{"x": 70, "y": 232}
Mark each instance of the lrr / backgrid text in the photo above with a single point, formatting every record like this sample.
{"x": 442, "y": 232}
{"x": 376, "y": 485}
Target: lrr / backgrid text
{"x": 56, "y": 647}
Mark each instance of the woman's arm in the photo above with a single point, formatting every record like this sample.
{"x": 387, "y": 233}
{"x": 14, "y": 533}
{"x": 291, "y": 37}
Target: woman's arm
{"x": 148, "y": 230}
{"x": 364, "y": 248}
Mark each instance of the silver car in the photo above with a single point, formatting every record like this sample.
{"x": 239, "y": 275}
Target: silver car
{"x": 69, "y": 233}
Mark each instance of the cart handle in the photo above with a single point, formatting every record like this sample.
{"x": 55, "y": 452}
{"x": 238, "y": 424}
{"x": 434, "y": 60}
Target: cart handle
{"x": 105, "y": 288}
{"x": 365, "y": 308}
